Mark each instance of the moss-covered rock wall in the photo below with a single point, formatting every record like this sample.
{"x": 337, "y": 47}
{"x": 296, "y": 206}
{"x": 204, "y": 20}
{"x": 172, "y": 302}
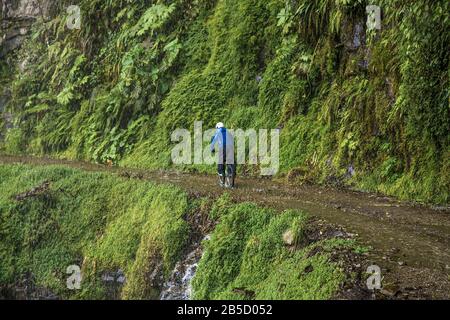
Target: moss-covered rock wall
{"x": 366, "y": 108}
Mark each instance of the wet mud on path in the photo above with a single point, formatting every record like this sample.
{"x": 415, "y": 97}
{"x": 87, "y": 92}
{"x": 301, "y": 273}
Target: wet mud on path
{"x": 411, "y": 243}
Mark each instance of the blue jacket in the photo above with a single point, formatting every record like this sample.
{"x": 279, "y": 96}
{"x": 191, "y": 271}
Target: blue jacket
{"x": 223, "y": 138}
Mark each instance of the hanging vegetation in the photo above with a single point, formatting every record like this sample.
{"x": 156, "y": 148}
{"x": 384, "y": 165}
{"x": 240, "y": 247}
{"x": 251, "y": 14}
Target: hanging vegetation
{"x": 367, "y": 108}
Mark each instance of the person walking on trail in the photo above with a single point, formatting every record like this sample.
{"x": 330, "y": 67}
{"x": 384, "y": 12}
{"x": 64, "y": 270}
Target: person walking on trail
{"x": 224, "y": 141}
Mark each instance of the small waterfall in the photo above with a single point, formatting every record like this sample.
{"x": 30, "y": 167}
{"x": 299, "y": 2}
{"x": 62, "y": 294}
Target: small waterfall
{"x": 178, "y": 287}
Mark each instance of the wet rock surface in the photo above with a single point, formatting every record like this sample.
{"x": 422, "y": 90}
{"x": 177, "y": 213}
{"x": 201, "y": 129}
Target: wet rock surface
{"x": 17, "y": 16}
{"x": 114, "y": 282}
{"x": 178, "y": 287}
{"x": 34, "y": 192}
{"x": 26, "y": 289}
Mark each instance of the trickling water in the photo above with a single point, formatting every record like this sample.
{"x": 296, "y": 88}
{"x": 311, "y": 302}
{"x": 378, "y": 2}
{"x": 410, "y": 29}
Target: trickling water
{"x": 178, "y": 287}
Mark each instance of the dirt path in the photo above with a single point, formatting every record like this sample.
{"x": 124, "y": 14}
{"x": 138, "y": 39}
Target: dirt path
{"x": 410, "y": 242}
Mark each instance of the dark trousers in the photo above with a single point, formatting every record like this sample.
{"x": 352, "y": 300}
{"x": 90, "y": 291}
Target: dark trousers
{"x": 230, "y": 167}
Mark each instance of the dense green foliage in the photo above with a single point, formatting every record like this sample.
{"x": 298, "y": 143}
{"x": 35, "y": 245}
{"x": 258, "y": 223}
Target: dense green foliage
{"x": 97, "y": 221}
{"x": 376, "y": 101}
{"x": 247, "y": 258}
{"x": 103, "y": 223}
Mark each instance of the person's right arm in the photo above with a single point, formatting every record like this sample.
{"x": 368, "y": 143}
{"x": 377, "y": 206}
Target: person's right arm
{"x": 213, "y": 142}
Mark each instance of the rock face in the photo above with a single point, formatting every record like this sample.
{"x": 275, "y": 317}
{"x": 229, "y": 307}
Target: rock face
{"x": 17, "y": 16}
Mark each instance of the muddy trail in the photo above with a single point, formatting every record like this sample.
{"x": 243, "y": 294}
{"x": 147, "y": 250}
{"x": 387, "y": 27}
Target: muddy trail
{"x": 410, "y": 242}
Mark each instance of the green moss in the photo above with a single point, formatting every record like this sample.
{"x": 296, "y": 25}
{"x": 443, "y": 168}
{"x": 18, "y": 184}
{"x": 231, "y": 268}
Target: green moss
{"x": 103, "y": 223}
{"x": 247, "y": 258}
{"x": 223, "y": 253}
{"x": 97, "y": 221}
{"x": 165, "y": 236}
{"x": 292, "y": 280}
